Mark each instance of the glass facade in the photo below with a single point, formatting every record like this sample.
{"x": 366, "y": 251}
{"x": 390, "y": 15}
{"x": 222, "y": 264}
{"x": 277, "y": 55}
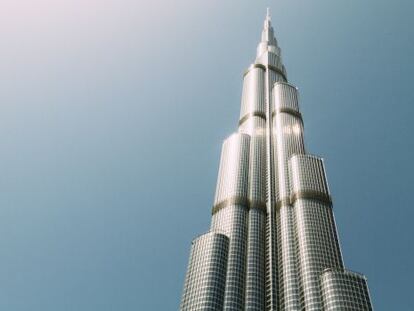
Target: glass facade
{"x": 206, "y": 274}
{"x": 255, "y": 269}
{"x": 273, "y": 243}
{"x": 344, "y": 290}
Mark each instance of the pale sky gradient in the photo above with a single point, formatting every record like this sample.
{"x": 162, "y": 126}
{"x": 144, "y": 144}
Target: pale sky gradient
{"x": 112, "y": 117}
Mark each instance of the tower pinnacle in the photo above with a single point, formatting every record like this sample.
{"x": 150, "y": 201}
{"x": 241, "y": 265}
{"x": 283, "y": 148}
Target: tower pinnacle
{"x": 268, "y": 42}
{"x": 267, "y": 22}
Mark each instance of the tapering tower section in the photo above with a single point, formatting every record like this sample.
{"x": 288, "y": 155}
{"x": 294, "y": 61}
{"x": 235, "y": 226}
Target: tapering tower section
{"x": 273, "y": 242}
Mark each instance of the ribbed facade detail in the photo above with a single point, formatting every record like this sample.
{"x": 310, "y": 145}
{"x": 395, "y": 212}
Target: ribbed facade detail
{"x": 253, "y": 96}
{"x": 206, "y": 274}
{"x": 232, "y": 220}
{"x": 308, "y": 178}
{"x": 273, "y": 243}
{"x": 285, "y": 98}
{"x": 231, "y": 212}
{"x": 344, "y": 290}
{"x": 257, "y": 172}
{"x": 232, "y": 185}
{"x": 318, "y": 247}
{"x": 288, "y": 132}
{"x": 255, "y": 272}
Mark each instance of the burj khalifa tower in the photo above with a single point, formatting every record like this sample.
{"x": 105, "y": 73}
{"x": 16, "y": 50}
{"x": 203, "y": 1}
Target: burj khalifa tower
{"x": 273, "y": 243}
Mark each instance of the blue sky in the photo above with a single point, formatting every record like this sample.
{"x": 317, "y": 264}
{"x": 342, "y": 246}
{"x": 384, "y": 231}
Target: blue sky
{"x": 112, "y": 119}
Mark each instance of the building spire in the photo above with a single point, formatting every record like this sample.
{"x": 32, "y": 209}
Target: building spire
{"x": 267, "y": 22}
{"x": 268, "y": 41}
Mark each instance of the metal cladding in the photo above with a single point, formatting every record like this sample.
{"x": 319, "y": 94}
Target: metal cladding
{"x": 273, "y": 234}
{"x": 206, "y": 274}
{"x": 232, "y": 220}
{"x": 230, "y": 214}
{"x": 288, "y": 134}
{"x": 308, "y": 178}
{"x": 344, "y": 290}
{"x": 255, "y": 269}
{"x": 232, "y": 185}
{"x": 317, "y": 248}
{"x": 257, "y": 172}
{"x": 253, "y": 97}
{"x": 286, "y": 98}
{"x": 317, "y": 241}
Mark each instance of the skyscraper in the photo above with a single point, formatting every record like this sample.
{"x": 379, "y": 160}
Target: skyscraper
{"x": 273, "y": 243}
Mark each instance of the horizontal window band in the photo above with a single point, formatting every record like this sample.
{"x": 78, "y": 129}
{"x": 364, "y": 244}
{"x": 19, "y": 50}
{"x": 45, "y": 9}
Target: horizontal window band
{"x": 282, "y": 202}
{"x": 252, "y": 114}
{"x": 253, "y": 66}
{"x": 290, "y": 111}
{"x": 263, "y": 67}
{"x": 304, "y": 194}
{"x": 238, "y": 200}
{"x": 257, "y": 205}
{"x": 312, "y": 195}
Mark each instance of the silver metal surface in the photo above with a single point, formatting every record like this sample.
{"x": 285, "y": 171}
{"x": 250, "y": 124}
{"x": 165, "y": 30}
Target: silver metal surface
{"x": 344, "y": 290}
{"x": 206, "y": 274}
{"x": 288, "y": 131}
{"x": 234, "y": 168}
{"x": 233, "y": 221}
{"x": 255, "y": 269}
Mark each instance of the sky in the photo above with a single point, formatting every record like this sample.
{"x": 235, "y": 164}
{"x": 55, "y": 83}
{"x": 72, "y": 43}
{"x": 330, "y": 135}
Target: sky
{"x": 112, "y": 117}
